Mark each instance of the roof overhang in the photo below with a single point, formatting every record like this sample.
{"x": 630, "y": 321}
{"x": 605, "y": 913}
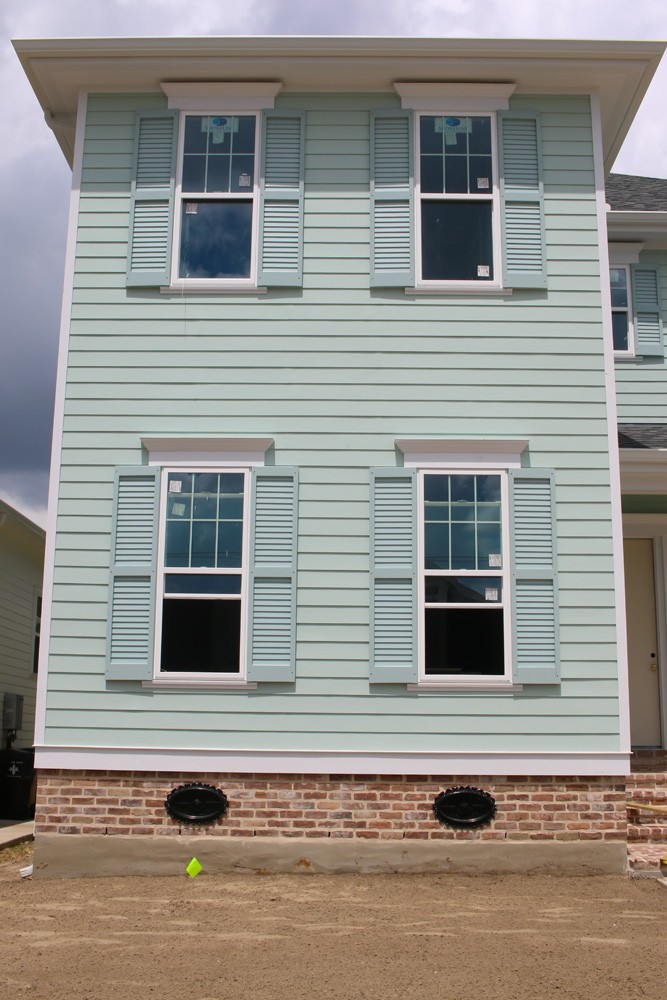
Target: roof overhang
{"x": 619, "y": 72}
{"x": 643, "y": 471}
{"x": 649, "y": 228}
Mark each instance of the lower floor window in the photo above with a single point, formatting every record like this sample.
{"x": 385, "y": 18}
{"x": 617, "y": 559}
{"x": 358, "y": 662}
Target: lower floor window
{"x": 462, "y": 575}
{"x": 202, "y": 572}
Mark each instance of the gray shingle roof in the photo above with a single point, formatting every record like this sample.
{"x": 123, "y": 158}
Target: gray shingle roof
{"x": 626, "y": 193}
{"x": 642, "y": 435}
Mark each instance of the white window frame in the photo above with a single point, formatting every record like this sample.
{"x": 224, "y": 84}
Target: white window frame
{"x": 37, "y": 607}
{"x": 630, "y": 352}
{"x": 242, "y": 571}
{"x": 465, "y": 680}
{"x": 204, "y": 283}
{"x": 493, "y": 197}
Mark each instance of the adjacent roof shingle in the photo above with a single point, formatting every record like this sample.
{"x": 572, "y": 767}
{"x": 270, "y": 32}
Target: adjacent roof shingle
{"x": 626, "y": 193}
{"x": 642, "y": 435}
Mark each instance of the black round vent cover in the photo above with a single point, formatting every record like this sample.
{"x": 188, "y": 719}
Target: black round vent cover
{"x": 196, "y": 803}
{"x": 465, "y": 806}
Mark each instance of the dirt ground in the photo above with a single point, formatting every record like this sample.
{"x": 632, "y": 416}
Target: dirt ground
{"x": 322, "y": 937}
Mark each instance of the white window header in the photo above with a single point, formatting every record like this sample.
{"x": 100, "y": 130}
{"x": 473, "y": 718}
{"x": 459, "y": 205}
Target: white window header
{"x": 205, "y": 452}
{"x": 492, "y": 453}
{"x": 462, "y": 98}
{"x": 624, "y": 253}
{"x": 218, "y": 97}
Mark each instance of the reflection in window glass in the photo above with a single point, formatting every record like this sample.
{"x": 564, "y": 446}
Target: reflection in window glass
{"x": 457, "y": 240}
{"x": 216, "y": 239}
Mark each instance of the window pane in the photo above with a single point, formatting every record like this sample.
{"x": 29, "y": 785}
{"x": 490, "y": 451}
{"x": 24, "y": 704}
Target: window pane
{"x": 463, "y": 589}
{"x": 243, "y": 172}
{"x": 619, "y": 322}
{"x": 430, "y": 134}
{"x": 456, "y": 175}
{"x": 463, "y": 488}
{"x": 489, "y": 550}
{"x": 217, "y": 178}
{"x": 455, "y": 133}
{"x": 203, "y": 543}
{"x": 432, "y": 179}
{"x": 436, "y": 546}
{"x": 189, "y": 583}
{"x": 480, "y": 174}
{"x": 488, "y": 488}
{"x": 457, "y": 241}
{"x": 243, "y": 140}
{"x": 479, "y": 140}
{"x": 194, "y": 173}
{"x": 463, "y": 546}
{"x": 177, "y": 543}
{"x": 436, "y": 488}
{"x": 465, "y": 642}
{"x": 619, "y": 287}
{"x": 201, "y": 636}
{"x": 196, "y": 134}
{"x": 230, "y": 540}
{"x": 216, "y": 239}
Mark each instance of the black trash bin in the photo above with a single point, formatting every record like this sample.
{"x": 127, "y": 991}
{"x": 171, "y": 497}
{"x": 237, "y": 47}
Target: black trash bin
{"x": 17, "y": 784}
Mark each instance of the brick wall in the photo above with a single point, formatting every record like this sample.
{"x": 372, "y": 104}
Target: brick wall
{"x": 372, "y": 808}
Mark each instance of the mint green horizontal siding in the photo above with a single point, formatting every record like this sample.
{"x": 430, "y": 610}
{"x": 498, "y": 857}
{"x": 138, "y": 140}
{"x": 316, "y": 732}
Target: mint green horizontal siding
{"x": 334, "y": 373}
{"x": 641, "y": 385}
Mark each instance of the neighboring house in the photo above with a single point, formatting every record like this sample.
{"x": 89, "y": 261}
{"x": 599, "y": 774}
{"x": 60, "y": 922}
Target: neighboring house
{"x": 21, "y": 570}
{"x": 336, "y": 508}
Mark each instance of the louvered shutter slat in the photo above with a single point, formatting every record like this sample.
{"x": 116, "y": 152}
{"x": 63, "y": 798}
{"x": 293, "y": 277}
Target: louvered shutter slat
{"x": 392, "y": 222}
{"x": 534, "y": 577}
{"x": 522, "y": 200}
{"x": 132, "y": 582}
{"x": 281, "y": 199}
{"x": 393, "y": 612}
{"x": 152, "y": 206}
{"x": 649, "y": 340}
{"x": 272, "y": 577}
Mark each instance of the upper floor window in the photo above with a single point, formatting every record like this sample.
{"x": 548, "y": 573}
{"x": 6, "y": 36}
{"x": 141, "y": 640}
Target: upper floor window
{"x": 621, "y": 315}
{"x": 457, "y": 197}
{"x": 217, "y": 197}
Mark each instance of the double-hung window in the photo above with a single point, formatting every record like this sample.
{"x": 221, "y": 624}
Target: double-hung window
{"x": 636, "y": 307}
{"x": 457, "y": 194}
{"x": 621, "y": 315}
{"x": 216, "y": 197}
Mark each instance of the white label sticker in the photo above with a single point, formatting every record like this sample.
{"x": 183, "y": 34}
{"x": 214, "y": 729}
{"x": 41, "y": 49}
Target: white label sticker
{"x": 482, "y": 183}
{"x": 483, "y": 270}
{"x": 495, "y": 561}
{"x": 176, "y": 486}
{"x": 244, "y": 181}
{"x": 491, "y": 594}
{"x": 178, "y": 509}
{"x": 191, "y": 208}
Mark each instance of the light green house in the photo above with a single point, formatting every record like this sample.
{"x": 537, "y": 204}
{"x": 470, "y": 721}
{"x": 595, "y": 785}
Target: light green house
{"x": 337, "y": 487}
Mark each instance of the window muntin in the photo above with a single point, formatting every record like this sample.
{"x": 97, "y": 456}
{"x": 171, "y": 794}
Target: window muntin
{"x": 457, "y": 199}
{"x": 202, "y": 572}
{"x": 621, "y": 318}
{"x": 217, "y": 193}
{"x": 37, "y": 632}
{"x": 463, "y": 584}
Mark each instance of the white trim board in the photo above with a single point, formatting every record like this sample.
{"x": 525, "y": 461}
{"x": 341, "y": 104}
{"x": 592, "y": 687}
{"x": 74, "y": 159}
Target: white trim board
{"x": 221, "y": 97}
{"x": 330, "y": 762}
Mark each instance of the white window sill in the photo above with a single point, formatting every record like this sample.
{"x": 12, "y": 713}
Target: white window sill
{"x": 219, "y": 683}
{"x": 212, "y": 288}
{"x": 480, "y": 289}
{"x": 624, "y": 356}
{"x": 426, "y": 686}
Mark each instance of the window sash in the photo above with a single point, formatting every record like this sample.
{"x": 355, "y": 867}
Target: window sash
{"x": 164, "y": 571}
{"x": 626, "y": 311}
{"x": 181, "y": 197}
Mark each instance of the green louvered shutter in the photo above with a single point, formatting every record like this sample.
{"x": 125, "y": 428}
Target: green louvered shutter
{"x": 272, "y": 584}
{"x": 281, "y": 199}
{"x": 393, "y": 653}
{"x": 647, "y": 312}
{"x": 132, "y": 586}
{"x": 522, "y": 200}
{"x": 152, "y": 209}
{"x": 535, "y": 646}
{"x": 392, "y": 222}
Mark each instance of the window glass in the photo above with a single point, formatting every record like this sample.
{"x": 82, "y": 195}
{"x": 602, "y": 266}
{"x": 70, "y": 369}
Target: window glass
{"x": 619, "y": 280}
{"x": 457, "y": 240}
{"x": 464, "y": 642}
{"x": 216, "y": 239}
{"x": 201, "y": 636}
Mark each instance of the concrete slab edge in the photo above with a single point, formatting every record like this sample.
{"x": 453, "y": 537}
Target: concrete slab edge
{"x": 58, "y": 856}
{"x": 10, "y": 836}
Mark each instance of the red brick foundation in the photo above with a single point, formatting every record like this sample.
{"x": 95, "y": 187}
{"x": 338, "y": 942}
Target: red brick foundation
{"x": 342, "y": 806}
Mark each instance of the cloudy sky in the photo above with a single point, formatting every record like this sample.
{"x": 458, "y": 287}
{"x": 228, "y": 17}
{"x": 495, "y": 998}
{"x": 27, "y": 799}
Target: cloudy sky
{"x": 35, "y": 177}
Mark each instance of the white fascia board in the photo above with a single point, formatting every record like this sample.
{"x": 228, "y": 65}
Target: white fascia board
{"x": 461, "y": 98}
{"x": 462, "y": 453}
{"x": 213, "y": 96}
{"x": 329, "y": 762}
{"x": 206, "y": 451}
{"x": 649, "y": 228}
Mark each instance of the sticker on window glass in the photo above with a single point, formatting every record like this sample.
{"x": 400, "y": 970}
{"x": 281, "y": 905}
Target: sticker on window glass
{"x": 483, "y": 271}
{"x": 244, "y": 181}
{"x": 191, "y": 208}
{"x": 218, "y": 127}
{"x": 178, "y": 509}
{"x": 482, "y": 183}
{"x": 491, "y": 594}
{"x": 176, "y": 486}
{"x": 495, "y": 561}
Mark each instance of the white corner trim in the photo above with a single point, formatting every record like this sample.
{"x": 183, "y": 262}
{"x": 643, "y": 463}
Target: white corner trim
{"x": 612, "y": 431}
{"x": 224, "y": 97}
{"x": 206, "y": 451}
{"x": 330, "y": 761}
{"x": 456, "y": 98}
{"x": 462, "y": 453}
{"x": 625, "y": 253}
{"x": 58, "y": 419}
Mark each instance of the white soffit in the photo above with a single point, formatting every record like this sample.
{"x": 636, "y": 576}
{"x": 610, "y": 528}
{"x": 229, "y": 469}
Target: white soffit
{"x": 643, "y": 470}
{"x": 491, "y": 453}
{"x": 460, "y": 98}
{"x": 221, "y": 97}
{"x": 619, "y": 71}
{"x": 649, "y": 228}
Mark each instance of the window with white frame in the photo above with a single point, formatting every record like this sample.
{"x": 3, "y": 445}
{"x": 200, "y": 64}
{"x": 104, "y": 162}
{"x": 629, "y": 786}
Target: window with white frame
{"x": 457, "y": 198}
{"x": 202, "y": 568}
{"x": 463, "y": 581}
{"x": 621, "y": 312}
{"x": 216, "y": 197}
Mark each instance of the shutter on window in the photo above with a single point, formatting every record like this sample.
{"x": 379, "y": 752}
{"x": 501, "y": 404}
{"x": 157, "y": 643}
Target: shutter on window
{"x": 133, "y": 560}
{"x": 393, "y": 618}
{"x": 152, "y": 208}
{"x": 281, "y": 199}
{"x": 535, "y": 643}
{"x": 647, "y": 312}
{"x": 392, "y": 222}
{"x": 522, "y": 200}
{"x": 272, "y": 586}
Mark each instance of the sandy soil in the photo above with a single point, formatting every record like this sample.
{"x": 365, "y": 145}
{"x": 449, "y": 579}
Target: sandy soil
{"x": 278, "y": 937}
